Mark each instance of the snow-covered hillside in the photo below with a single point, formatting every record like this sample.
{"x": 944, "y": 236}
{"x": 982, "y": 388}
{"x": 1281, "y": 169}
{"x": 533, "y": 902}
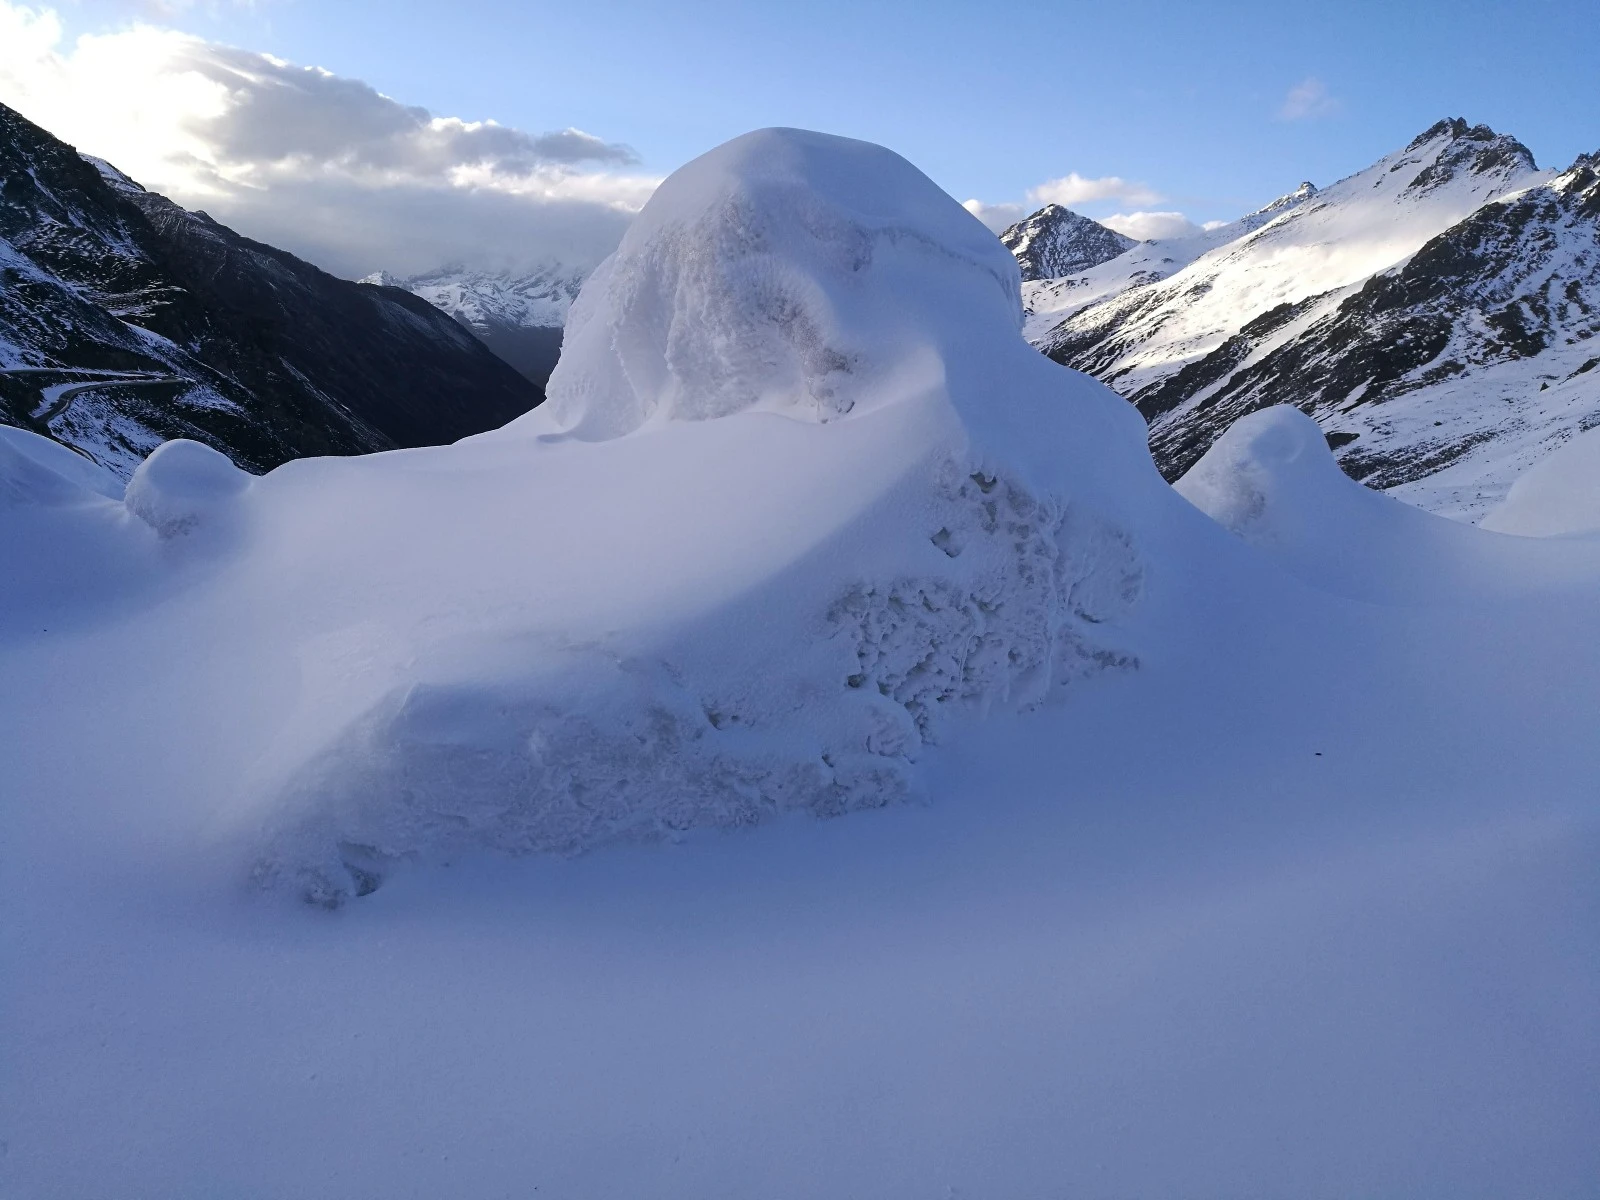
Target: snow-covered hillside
{"x": 126, "y": 320}
{"x": 1221, "y": 878}
{"x": 1049, "y": 302}
{"x": 1430, "y": 312}
{"x": 518, "y": 314}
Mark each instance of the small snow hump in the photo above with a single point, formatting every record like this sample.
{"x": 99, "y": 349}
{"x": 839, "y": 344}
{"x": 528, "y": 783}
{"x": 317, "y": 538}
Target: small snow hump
{"x": 783, "y": 271}
{"x": 184, "y": 485}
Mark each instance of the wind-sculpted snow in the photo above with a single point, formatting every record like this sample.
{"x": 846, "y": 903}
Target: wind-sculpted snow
{"x": 962, "y": 536}
{"x": 560, "y": 746}
{"x": 784, "y": 271}
{"x": 1272, "y": 480}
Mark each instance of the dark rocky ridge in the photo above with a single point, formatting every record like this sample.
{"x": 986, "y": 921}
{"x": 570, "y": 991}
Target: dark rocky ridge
{"x": 187, "y": 329}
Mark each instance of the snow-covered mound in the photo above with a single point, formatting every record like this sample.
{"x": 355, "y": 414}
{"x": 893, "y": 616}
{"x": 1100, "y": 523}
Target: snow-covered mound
{"x": 840, "y": 457}
{"x": 1196, "y": 924}
{"x": 1559, "y": 495}
{"x": 787, "y": 272}
{"x": 1272, "y": 480}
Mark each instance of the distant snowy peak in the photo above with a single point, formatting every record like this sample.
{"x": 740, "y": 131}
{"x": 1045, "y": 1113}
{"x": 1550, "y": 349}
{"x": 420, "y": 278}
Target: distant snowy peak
{"x": 518, "y": 315}
{"x": 1050, "y": 300}
{"x": 1473, "y": 151}
{"x": 1056, "y": 241}
{"x": 535, "y": 299}
{"x": 1270, "y": 212}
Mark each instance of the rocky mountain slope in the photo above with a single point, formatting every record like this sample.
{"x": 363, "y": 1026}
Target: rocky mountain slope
{"x": 1432, "y": 312}
{"x": 126, "y": 320}
{"x": 1049, "y": 302}
{"x": 1056, "y": 241}
{"x": 518, "y": 315}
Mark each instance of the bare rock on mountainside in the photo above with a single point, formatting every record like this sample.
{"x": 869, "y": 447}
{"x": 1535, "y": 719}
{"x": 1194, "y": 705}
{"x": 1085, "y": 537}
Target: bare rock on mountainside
{"x": 126, "y": 320}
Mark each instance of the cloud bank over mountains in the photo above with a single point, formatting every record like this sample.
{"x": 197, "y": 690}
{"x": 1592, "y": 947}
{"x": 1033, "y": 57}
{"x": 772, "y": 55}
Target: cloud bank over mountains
{"x": 323, "y": 165}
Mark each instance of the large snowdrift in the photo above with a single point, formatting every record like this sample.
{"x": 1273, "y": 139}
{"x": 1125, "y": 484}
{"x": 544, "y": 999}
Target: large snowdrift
{"x": 1272, "y": 480}
{"x": 800, "y": 493}
{"x": 1284, "y": 885}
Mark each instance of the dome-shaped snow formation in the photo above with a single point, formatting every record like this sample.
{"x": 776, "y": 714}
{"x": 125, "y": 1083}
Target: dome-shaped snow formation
{"x": 905, "y": 516}
{"x": 784, "y": 271}
{"x": 1267, "y": 476}
{"x": 1272, "y": 480}
{"x": 184, "y": 485}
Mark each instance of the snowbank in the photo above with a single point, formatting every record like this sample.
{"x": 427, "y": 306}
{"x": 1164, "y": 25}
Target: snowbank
{"x": 1272, "y": 480}
{"x": 856, "y": 504}
{"x": 1560, "y": 494}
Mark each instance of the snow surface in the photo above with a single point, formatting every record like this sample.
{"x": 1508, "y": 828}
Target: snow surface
{"x": 1559, "y": 495}
{"x": 1271, "y": 871}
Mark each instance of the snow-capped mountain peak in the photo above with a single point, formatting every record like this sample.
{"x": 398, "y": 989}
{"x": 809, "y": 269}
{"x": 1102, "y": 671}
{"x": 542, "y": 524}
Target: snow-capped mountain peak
{"x": 1056, "y": 241}
{"x": 1432, "y": 312}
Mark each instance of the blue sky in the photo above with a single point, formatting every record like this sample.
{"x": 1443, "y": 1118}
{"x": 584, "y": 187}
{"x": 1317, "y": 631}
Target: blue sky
{"x": 988, "y": 99}
{"x": 1204, "y": 110}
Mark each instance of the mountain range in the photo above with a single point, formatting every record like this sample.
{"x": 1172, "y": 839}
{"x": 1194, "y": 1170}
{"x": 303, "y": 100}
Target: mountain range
{"x": 1433, "y": 313}
{"x": 126, "y": 320}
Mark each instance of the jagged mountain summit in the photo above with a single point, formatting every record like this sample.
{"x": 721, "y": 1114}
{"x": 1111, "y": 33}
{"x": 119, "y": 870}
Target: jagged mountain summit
{"x": 1056, "y": 241}
{"x": 1430, "y": 312}
{"x": 517, "y": 314}
{"x": 126, "y": 320}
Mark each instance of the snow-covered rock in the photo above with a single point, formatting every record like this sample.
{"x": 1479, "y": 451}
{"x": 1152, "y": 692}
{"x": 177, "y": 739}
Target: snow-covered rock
{"x": 1272, "y": 480}
{"x": 784, "y": 272}
{"x": 184, "y": 486}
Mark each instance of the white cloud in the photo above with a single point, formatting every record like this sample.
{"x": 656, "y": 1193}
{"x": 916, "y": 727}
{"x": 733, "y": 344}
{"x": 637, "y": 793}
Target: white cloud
{"x": 1068, "y": 191}
{"x": 1073, "y": 188}
{"x": 323, "y": 165}
{"x": 996, "y": 216}
{"x": 1151, "y": 226}
{"x": 1308, "y": 100}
